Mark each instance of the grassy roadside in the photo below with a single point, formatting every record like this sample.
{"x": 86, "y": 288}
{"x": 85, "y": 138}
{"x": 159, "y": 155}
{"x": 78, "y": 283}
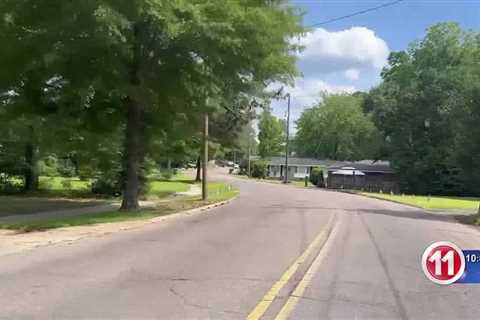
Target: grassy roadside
{"x": 217, "y": 192}
{"x": 452, "y": 204}
{"x": 426, "y": 202}
{"x": 60, "y": 193}
{"x": 17, "y": 205}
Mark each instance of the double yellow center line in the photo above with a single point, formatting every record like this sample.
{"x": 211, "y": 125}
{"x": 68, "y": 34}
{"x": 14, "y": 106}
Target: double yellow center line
{"x": 270, "y": 296}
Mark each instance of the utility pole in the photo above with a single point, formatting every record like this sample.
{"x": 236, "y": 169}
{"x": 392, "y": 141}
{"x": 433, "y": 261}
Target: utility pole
{"x": 205, "y": 159}
{"x": 249, "y": 152}
{"x": 288, "y": 138}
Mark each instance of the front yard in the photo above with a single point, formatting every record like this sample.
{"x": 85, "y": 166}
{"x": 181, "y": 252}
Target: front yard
{"x": 158, "y": 190}
{"x": 427, "y": 202}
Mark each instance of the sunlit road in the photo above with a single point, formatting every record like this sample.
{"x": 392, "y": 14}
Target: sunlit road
{"x": 221, "y": 264}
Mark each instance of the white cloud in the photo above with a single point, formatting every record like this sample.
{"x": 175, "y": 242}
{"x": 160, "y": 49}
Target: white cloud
{"x": 306, "y": 93}
{"x": 356, "y": 48}
{"x": 352, "y": 74}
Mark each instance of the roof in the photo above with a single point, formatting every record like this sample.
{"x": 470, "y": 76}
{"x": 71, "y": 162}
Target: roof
{"x": 294, "y": 161}
{"x": 364, "y": 165}
{"x": 348, "y": 172}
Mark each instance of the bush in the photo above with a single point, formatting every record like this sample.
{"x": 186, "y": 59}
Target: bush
{"x": 107, "y": 183}
{"x": 66, "y": 184}
{"x": 258, "y": 169}
{"x": 48, "y": 167}
{"x": 106, "y": 187}
{"x": 316, "y": 176}
{"x": 9, "y": 185}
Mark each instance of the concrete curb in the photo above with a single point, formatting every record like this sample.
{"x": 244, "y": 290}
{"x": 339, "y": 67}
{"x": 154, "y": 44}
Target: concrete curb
{"x": 193, "y": 211}
{"x": 13, "y": 243}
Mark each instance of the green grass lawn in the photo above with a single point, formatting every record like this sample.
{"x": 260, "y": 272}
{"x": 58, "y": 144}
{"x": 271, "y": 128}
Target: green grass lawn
{"x": 63, "y": 184}
{"x": 59, "y": 193}
{"x": 217, "y": 192}
{"x": 162, "y": 189}
{"x": 430, "y": 202}
{"x": 11, "y": 205}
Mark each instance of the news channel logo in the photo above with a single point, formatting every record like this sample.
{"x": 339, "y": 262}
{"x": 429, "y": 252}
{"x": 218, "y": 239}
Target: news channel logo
{"x": 444, "y": 263}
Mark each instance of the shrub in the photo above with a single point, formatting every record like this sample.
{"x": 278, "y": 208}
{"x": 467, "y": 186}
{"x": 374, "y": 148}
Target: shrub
{"x": 67, "y": 184}
{"x": 258, "y": 169}
{"x": 48, "y": 167}
{"x": 9, "y": 185}
{"x": 167, "y": 174}
{"x": 316, "y": 176}
{"x": 106, "y": 187}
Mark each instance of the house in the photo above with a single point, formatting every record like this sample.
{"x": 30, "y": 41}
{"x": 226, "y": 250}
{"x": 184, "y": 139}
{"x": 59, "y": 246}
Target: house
{"x": 298, "y": 168}
{"x": 366, "y": 175}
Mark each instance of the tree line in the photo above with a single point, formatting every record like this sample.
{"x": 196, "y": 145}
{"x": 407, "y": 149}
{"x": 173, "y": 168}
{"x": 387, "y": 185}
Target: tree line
{"x": 424, "y": 116}
{"x": 117, "y": 86}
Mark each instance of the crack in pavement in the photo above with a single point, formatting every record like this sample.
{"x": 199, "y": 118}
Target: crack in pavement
{"x": 199, "y": 306}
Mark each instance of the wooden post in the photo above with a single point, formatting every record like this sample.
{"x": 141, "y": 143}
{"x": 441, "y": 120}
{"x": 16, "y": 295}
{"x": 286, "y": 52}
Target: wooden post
{"x": 205, "y": 160}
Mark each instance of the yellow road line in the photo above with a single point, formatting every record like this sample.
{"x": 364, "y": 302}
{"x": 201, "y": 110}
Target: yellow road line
{"x": 267, "y": 300}
{"x": 306, "y": 280}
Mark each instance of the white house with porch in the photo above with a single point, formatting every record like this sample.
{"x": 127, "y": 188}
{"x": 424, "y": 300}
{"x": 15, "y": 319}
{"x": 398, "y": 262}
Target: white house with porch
{"x": 298, "y": 168}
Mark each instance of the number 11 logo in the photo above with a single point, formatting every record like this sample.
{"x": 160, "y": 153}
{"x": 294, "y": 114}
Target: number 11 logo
{"x": 443, "y": 262}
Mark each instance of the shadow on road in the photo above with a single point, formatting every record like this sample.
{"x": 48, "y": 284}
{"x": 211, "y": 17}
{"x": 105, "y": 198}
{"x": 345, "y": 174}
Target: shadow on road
{"x": 407, "y": 214}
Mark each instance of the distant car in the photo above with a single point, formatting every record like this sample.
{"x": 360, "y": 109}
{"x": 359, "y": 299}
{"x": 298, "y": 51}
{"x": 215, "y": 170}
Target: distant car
{"x": 230, "y": 164}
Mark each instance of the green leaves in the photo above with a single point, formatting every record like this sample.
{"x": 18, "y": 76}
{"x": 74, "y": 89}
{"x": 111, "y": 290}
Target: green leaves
{"x": 271, "y": 135}
{"x": 337, "y": 129}
{"x": 424, "y": 108}
{"x": 165, "y": 57}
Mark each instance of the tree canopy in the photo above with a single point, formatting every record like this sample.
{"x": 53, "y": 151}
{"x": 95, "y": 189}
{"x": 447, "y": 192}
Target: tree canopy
{"x": 427, "y": 109}
{"x": 271, "y": 135}
{"x": 142, "y": 69}
{"x": 337, "y": 129}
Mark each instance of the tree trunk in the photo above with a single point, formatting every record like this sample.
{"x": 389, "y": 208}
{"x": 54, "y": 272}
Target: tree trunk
{"x": 198, "y": 177}
{"x": 31, "y": 159}
{"x": 133, "y": 156}
{"x": 134, "y": 149}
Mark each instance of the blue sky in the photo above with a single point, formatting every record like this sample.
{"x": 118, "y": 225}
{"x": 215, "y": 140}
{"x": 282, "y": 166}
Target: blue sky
{"x": 348, "y": 55}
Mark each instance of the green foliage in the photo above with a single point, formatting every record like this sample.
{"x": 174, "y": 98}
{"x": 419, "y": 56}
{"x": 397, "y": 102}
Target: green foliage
{"x": 108, "y": 184}
{"x": 427, "y": 111}
{"x": 337, "y": 129}
{"x": 141, "y": 71}
{"x": 259, "y": 169}
{"x": 428, "y": 202}
{"x": 316, "y": 176}
{"x": 48, "y": 167}
{"x": 271, "y": 135}
{"x": 9, "y": 185}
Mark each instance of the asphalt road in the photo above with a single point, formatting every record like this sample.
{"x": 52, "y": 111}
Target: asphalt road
{"x": 220, "y": 264}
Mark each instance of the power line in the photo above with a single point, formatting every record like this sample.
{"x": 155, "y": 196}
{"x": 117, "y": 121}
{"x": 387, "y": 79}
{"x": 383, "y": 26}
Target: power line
{"x": 353, "y": 14}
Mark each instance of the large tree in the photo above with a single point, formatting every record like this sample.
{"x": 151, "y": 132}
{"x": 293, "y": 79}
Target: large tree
{"x": 154, "y": 62}
{"x": 337, "y": 129}
{"x": 427, "y": 110}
